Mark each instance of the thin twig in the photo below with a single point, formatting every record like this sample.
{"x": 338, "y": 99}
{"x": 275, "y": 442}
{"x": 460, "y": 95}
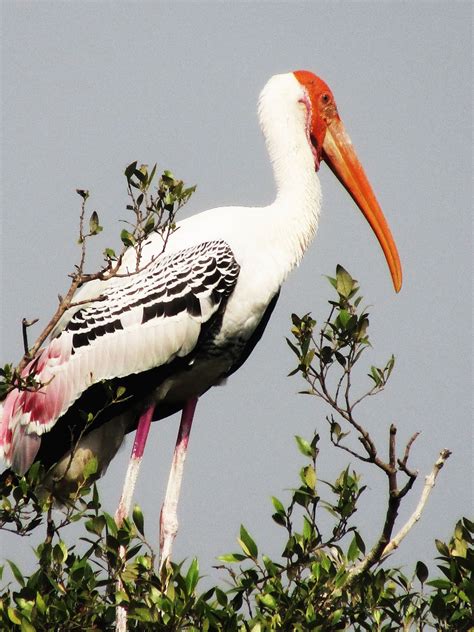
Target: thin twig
{"x": 24, "y": 327}
{"x": 403, "y": 462}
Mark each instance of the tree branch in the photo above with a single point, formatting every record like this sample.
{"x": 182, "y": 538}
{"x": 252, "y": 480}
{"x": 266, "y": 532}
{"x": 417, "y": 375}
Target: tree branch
{"x": 430, "y": 481}
{"x": 386, "y": 545}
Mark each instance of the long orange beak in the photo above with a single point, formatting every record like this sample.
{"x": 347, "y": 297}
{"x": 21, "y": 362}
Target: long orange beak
{"x": 339, "y": 154}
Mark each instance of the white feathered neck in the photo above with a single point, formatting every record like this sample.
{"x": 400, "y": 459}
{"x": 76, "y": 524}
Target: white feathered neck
{"x": 285, "y": 119}
{"x": 283, "y": 230}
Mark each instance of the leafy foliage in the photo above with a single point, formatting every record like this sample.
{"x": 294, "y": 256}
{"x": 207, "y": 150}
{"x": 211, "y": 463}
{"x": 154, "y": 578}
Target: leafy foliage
{"x": 309, "y": 588}
{"x": 326, "y": 579}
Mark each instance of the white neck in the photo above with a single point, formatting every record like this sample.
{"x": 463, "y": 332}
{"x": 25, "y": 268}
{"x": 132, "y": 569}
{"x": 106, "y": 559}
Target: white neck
{"x": 293, "y": 217}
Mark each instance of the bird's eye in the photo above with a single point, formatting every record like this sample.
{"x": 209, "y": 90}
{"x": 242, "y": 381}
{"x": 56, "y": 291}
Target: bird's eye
{"x": 325, "y": 98}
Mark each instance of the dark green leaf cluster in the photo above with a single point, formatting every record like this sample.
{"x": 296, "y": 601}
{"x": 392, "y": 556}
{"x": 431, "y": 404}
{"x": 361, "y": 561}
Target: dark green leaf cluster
{"x": 453, "y": 601}
{"x": 342, "y": 339}
{"x": 75, "y": 586}
{"x": 310, "y": 587}
{"x": 325, "y": 580}
{"x": 21, "y": 508}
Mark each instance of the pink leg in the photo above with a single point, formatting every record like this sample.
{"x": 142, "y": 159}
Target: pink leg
{"x": 169, "y": 510}
{"x": 126, "y": 499}
{"x": 134, "y": 465}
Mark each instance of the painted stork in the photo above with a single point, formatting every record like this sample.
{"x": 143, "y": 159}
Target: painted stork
{"x": 192, "y": 316}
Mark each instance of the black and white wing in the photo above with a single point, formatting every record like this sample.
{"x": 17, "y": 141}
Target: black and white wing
{"x": 137, "y": 323}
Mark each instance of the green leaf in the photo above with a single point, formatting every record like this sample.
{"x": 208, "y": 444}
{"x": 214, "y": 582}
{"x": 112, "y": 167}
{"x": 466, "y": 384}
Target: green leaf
{"x": 326, "y": 354}
{"x": 309, "y": 476}
{"x": 111, "y": 524}
{"x": 268, "y": 601}
{"x": 293, "y": 347}
{"x": 141, "y": 173}
{"x": 336, "y": 429}
{"x": 389, "y": 366}
{"x": 375, "y": 375}
{"x": 279, "y": 519}
{"x": 152, "y": 174}
{"x": 130, "y": 170}
{"x": 440, "y": 583}
{"x": 94, "y": 226}
{"x": 344, "y": 318}
{"x": 296, "y": 320}
{"x": 344, "y": 282}
{"x": 127, "y": 238}
{"x": 247, "y": 543}
{"x": 40, "y": 603}
{"x": 442, "y": 548}
{"x": 468, "y": 524}
{"x": 143, "y": 614}
{"x": 325, "y": 563}
{"x": 360, "y": 542}
{"x": 278, "y": 505}
{"x": 353, "y": 551}
{"x": 316, "y": 570}
{"x": 95, "y": 525}
{"x": 192, "y": 577}
{"x": 90, "y": 468}
{"x": 221, "y": 597}
{"x": 17, "y": 574}
{"x": 271, "y": 568}
{"x": 60, "y": 552}
{"x": 335, "y": 616}
{"x": 232, "y": 557}
{"x": 421, "y": 572}
{"x": 307, "y": 529}
{"x": 303, "y": 446}
{"x": 13, "y": 615}
{"x": 149, "y": 224}
{"x": 120, "y": 392}
{"x": 138, "y": 519}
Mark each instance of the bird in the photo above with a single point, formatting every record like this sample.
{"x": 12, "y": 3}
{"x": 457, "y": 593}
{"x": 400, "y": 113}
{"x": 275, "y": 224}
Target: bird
{"x": 190, "y": 317}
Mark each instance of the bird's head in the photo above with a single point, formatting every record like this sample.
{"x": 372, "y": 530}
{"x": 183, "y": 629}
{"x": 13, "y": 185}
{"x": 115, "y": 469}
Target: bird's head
{"x": 330, "y": 143}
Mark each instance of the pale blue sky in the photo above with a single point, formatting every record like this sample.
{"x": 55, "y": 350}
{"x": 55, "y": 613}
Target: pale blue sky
{"x": 89, "y": 87}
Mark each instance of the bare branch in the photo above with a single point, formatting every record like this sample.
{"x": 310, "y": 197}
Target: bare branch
{"x": 87, "y": 301}
{"x": 386, "y": 545}
{"x": 392, "y": 474}
{"x": 430, "y": 481}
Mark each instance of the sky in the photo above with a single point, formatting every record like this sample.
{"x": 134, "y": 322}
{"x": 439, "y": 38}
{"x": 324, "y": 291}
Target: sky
{"x": 88, "y": 87}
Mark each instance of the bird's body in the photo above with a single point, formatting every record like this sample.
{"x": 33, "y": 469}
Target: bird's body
{"x": 189, "y": 317}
